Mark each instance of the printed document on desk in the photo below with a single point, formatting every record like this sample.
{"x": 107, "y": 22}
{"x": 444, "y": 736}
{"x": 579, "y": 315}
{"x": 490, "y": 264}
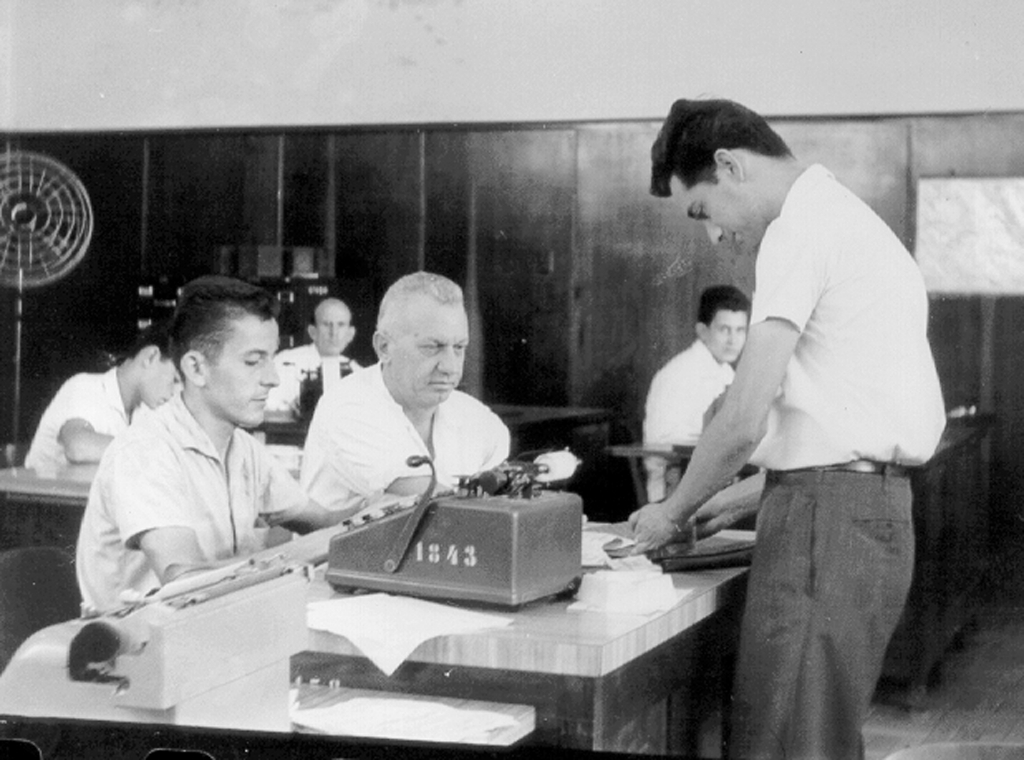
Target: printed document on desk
{"x": 403, "y": 718}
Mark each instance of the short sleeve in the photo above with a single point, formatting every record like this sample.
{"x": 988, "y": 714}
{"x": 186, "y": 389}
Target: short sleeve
{"x": 83, "y": 398}
{"x": 144, "y": 487}
{"x": 789, "y": 274}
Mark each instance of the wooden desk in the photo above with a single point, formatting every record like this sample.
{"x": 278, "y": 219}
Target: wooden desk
{"x": 597, "y": 681}
{"x": 43, "y": 508}
{"x": 67, "y": 486}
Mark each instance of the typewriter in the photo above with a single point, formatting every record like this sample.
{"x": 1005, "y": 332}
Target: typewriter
{"x": 505, "y": 538}
{"x": 208, "y": 650}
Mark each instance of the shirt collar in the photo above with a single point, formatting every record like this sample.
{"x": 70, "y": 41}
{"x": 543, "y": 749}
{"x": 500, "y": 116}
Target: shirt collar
{"x": 186, "y": 430}
{"x": 112, "y": 391}
{"x": 806, "y": 183}
{"x": 724, "y": 367}
{"x": 377, "y": 379}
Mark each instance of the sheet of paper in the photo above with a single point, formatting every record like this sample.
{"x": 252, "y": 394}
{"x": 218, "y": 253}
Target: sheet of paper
{"x": 594, "y": 542}
{"x": 398, "y": 718}
{"x": 387, "y": 629}
{"x": 610, "y": 550}
{"x": 636, "y": 592}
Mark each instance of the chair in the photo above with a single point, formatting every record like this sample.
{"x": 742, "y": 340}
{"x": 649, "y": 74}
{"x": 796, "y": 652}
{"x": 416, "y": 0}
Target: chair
{"x": 38, "y": 588}
{"x": 675, "y": 456}
{"x": 13, "y": 454}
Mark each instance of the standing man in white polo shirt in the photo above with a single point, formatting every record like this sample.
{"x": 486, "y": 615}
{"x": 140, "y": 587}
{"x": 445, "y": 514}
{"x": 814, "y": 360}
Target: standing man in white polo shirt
{"x": 838, "y": 386}
{"x": 186, "y": 488}
{"x": 364, "y": 430}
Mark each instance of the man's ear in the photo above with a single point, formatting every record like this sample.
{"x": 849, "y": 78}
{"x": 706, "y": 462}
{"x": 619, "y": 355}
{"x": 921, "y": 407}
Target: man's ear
{"x": 703, "y": 332}
{"x": 149, "y": 355}
{"x": 194, "y": 368}
{"x": 382, "y": 346}
{"x": 729, "y": 164}
{"x": 311, "y": 332}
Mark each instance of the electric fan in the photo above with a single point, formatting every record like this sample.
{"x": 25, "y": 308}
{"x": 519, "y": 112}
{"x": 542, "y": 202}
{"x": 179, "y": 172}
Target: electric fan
{"x": 45, "y": 227}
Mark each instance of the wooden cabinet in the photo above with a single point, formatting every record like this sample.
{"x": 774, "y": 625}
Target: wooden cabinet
{"x": 951, "y": 508}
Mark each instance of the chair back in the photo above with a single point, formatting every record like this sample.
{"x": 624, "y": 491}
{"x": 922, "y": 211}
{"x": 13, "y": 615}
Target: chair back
{"x": 38, "y": 588}
{"x": 13, "y": 454}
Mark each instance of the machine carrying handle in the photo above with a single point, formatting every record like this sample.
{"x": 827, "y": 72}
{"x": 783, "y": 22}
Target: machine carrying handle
{"x": 393, "y": 560}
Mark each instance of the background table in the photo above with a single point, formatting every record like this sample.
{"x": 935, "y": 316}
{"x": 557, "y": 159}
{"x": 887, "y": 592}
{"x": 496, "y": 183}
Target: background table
{"x": 43, "y": 508}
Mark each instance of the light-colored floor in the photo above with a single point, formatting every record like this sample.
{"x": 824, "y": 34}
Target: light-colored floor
{"x": 978, "y": 695}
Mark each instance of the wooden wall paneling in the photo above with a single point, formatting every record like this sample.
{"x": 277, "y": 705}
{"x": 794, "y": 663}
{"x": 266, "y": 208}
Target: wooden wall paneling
{"x": 69, "y": 325}
{"x": 306, "y": 168}
{"x": 449, "y": 214}
{"x": 447, "y": 177}
{"x": 954, "y": 324}
{"x": 376, "y": 217}
{"x": 1007, "y": 457}
{"x": 986, "y": 145}
{"x": 639, "y": 263}
{"x": 869, "y": 157}
{"x": 524, "y": 185}
{"x": 197, "y": 196}
{"x": 977, "y": 145}
{"x": 262, "y": 207}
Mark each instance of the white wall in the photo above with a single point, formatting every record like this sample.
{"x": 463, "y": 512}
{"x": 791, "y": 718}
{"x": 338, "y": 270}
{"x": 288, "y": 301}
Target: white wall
{"x": 109, "y": 64}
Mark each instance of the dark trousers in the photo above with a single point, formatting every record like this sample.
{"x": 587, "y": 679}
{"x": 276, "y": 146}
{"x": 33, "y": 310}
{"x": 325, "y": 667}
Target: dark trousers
{"x": 827, "y": 585}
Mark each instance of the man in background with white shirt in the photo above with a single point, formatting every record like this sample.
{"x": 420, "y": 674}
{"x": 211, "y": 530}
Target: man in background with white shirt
{"x": 686, "y": 386}
{"x": 331, "y": 331}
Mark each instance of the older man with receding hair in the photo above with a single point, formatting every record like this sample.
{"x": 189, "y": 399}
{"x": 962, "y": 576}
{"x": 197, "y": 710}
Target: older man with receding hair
{"x": 407, "y": 403}
{"x": 330, "y": 332}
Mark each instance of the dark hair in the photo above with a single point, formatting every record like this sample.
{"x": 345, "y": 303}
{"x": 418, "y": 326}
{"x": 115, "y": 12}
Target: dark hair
{"x": 721, "y": 298}
{"x": 205, "y": 307}
{"x": 695, "y": 129}
{"x": 157, "y": 334}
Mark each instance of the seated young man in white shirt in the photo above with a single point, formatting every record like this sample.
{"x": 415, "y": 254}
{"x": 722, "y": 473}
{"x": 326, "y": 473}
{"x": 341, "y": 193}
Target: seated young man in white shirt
{"x": 364, "y": 430}
{"x": 683, "y": 390}
{"x": 186, "y": 488}
{"x": 331, "y": 331}
{"x": 91, "y": 408}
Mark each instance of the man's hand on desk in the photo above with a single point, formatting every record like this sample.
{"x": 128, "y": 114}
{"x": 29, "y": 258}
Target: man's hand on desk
{"x": 653, "y": 527}
{"x": 729, "y": 506}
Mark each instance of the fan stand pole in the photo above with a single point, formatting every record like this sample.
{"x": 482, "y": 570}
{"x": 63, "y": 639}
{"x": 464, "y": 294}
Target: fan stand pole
{"x": 12, "y": 448}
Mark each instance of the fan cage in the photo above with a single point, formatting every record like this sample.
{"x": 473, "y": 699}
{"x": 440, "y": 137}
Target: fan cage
{"x": 46, "y": 220}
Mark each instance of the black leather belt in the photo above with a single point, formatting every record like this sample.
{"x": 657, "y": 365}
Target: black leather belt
{"x": 865, "y": 466}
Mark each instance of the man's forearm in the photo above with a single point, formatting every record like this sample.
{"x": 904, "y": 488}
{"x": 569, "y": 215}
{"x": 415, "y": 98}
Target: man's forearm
{"x": 719, "y": 455}
{"x": 85, "y": 446}
{"x": 730, "y": 505}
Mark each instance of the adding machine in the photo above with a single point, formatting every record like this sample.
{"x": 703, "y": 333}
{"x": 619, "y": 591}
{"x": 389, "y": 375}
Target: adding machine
{"x": 501, "y": 539}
